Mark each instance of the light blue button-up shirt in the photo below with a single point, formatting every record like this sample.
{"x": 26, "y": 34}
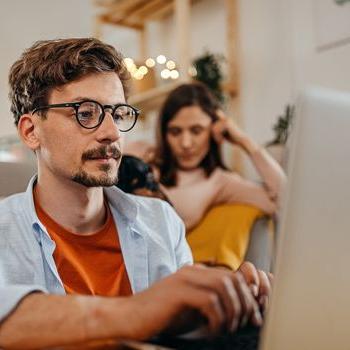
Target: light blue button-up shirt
{"x": 152, "y": 239}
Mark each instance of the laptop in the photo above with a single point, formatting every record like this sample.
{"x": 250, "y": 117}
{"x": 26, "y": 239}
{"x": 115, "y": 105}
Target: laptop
{"x": 310, "y": 304}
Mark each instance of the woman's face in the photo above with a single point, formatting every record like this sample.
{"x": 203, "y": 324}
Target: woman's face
{"x": 188, "y": 135}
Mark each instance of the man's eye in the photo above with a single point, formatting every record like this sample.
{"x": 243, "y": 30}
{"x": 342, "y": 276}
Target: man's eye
{"x": 85, "y": 115}
{"x": 119, "y": 116}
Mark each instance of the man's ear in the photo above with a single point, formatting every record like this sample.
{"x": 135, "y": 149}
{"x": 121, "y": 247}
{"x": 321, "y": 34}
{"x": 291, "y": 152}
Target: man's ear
{"x": 27, "y": 131}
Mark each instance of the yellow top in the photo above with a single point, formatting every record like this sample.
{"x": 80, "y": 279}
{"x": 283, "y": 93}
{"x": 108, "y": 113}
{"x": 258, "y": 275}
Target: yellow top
{"x": 222, "y": 236}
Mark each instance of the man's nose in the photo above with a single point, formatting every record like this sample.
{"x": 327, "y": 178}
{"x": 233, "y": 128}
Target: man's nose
{"x": 108, "y": 131}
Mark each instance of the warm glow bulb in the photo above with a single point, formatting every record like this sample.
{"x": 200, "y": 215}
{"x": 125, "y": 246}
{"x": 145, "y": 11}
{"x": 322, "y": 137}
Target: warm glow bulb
{"x": 170, "y": 65}
{"x": 150, "y": 62}
{"x": 132, "y": 68}
{"x": 165, "y": 73}
{"x": 174, "y": 74}
{"x": 161, "y": 59}
{"x": 143, "y": 70}
{"x": 128, "y": 62}
{"x": 138, "y": 75}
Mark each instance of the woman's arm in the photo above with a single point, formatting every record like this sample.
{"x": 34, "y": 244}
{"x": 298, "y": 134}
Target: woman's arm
{"x": 265, "y": 196}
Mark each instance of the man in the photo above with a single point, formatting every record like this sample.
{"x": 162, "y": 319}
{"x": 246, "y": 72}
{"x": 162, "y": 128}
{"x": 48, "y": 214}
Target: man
{"x": 79, "y": 258}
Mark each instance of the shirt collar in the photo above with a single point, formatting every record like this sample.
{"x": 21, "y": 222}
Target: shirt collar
{"x": 32, "y": 216}
{"x": 123, "y": 203}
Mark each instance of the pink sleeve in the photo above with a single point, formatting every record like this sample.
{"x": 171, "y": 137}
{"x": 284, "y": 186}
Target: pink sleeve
{"x": 232, "y": 188}
{"x": 272, "y": 175}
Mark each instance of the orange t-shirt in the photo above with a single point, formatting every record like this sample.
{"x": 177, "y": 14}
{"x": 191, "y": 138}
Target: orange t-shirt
{"x": 90, "y": 264}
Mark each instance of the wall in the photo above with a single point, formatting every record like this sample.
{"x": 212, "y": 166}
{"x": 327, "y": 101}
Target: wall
{"x": 24, "y": 22}
{"x": 311, "y": 66}
{"x": 265, "y": 63}
{"x": 277, "y": 48}
{"x": 279, "y": 58}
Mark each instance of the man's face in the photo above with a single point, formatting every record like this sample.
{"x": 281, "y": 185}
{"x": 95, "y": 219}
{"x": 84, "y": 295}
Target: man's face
{"x": 67, "y": 151}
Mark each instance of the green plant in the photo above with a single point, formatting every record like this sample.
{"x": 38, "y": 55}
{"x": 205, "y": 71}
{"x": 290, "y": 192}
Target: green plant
{"x": 209, "y": 72}
{"x": 282, "y": 127}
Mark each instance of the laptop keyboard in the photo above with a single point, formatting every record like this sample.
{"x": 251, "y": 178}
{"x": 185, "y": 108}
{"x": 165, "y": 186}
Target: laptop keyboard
{"x": 246, "y": 338}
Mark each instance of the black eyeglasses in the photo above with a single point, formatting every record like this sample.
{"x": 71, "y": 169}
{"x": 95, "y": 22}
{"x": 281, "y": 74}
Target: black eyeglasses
{"x": 90, "y": 114}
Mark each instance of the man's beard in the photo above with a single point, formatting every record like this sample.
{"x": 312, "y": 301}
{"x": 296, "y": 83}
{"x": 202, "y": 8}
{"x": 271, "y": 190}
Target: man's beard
{"x": 107, "y": 178}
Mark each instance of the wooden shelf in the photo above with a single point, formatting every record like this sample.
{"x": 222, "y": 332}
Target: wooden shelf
{"x": 133, "y": 14}
{"x": 152, "y": 99}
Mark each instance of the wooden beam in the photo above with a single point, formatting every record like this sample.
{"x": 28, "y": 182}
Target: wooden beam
{"x": 232, "y": 42}
{"x": 163, "y": 12}
{"x": 232, "y": 46}
{"x": 104, "y": 19}
{"x": 146, "y": 9}
{"x": 143, "y": 45}
{"x": 121, "y": 10}
{"x": 182, "y": 24}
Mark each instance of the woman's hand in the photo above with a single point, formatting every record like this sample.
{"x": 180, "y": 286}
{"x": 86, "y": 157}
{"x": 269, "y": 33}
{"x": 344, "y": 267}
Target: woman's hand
{"x": 225, "y": 128}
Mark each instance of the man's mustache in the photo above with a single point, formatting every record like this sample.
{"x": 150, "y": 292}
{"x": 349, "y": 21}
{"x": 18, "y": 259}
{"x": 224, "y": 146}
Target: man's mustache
{"x": 102, "y": 152}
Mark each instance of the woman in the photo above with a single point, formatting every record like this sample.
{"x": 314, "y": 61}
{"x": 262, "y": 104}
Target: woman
{"x": 191, "y": 171}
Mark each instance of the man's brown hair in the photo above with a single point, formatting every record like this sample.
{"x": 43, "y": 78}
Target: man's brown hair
{"x": 52, "y": 63}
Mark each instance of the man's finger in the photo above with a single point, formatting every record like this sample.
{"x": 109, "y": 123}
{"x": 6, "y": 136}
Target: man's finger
{"x": 251, "y": 276}
{"x": 264, "y": 290}
{"x": 250, "y": 307}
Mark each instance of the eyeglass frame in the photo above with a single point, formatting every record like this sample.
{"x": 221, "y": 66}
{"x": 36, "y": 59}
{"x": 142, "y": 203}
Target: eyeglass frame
{"x": 76, "y": 105}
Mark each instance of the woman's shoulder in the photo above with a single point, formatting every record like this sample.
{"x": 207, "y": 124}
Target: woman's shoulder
{"x": 220, "y": 174}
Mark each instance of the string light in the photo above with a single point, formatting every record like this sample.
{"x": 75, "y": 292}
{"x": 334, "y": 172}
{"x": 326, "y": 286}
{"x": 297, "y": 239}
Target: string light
{"x": 138, "y": 73}
{"x": 165, "y": 73}
{"x": 150, "y": 62}
{"x": 174, "y": 74}
{"x": 132, "y": 69}
{"x": 170, "y": 64}
{"x": 128, "y": 62}
{"x": 161, "y": 59}
{"x": 143, "y": 70}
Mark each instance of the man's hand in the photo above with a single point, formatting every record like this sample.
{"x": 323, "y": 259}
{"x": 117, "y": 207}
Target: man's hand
{"x": 259, "y": 283}
{"x": 222, "y": 298}
{"x": 194, "y": 295}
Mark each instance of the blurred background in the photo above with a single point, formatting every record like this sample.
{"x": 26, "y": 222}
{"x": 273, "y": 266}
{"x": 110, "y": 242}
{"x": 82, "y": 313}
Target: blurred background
{"x": 255, "y": 55}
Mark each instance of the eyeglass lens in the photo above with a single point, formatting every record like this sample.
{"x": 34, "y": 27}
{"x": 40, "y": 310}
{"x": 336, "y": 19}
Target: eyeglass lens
{"x": 90, "y": 113}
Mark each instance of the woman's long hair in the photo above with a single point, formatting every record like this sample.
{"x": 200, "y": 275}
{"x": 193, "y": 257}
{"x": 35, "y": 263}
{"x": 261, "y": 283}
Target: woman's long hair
{"x": 192, "y": 94}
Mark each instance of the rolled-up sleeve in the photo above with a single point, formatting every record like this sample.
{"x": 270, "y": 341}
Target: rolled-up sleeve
{"x": 11, "y": 295}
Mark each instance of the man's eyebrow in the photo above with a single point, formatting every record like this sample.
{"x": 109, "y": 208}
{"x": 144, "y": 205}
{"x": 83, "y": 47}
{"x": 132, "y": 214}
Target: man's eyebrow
{"x": 85, "y": 98}
{"x": 80, "y": 98}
